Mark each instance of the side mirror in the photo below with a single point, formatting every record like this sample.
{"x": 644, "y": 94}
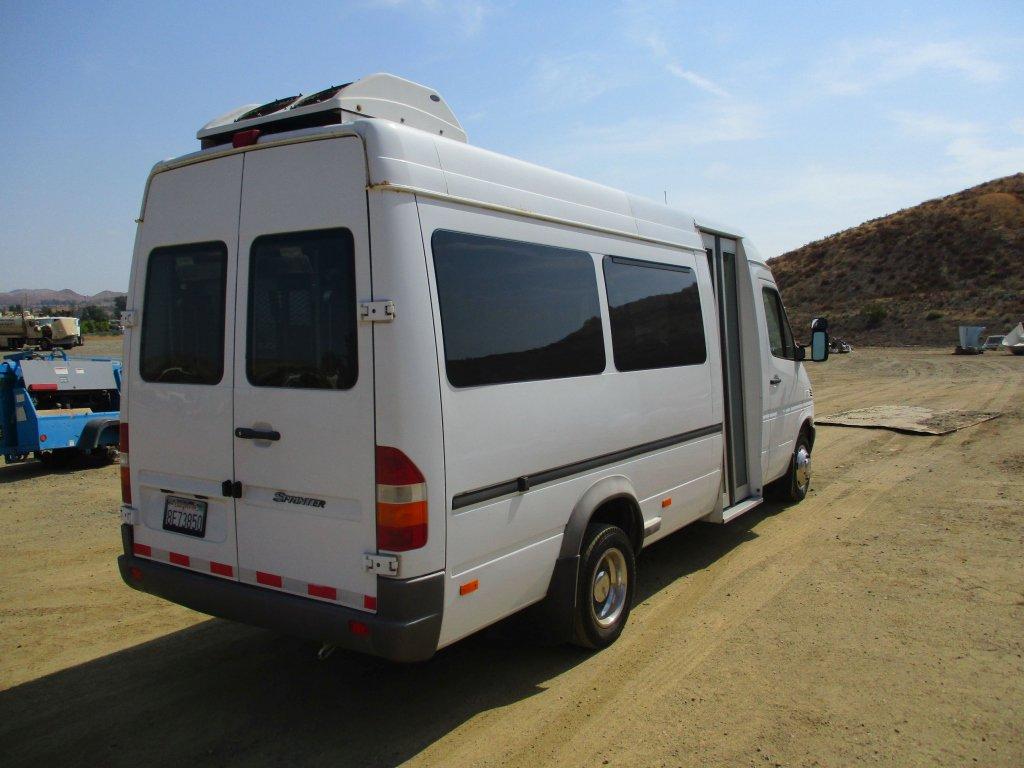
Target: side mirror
{"x": 819, "y": 346}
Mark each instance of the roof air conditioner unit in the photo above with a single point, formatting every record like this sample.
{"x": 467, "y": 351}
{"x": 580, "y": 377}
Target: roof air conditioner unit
{"x": 380, "y": 96}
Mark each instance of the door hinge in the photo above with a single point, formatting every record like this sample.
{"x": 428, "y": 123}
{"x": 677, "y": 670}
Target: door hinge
{"x": 231, "y": 489}
{"x": 128, "y": 318}
{"x": 129, "y": 515}
{"x": 377, "y": 311}
{"x": 383, "y": 565}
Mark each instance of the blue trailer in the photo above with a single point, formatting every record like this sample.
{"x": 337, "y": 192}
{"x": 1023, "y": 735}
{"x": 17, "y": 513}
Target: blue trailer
{"x": 56, "y": 407}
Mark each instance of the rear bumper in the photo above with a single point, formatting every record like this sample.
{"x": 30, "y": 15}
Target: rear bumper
{"x": 406, "y": 626}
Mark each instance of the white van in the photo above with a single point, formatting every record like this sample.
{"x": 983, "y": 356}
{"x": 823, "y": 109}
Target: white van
{"x": 384, "y": 388}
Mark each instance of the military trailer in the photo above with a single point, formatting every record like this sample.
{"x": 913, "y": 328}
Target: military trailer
{"x": 17, "y": 331}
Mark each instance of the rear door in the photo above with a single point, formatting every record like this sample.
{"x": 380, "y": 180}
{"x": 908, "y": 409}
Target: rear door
{"x": 181, "y": 377}
{"x": 303, "y": 363}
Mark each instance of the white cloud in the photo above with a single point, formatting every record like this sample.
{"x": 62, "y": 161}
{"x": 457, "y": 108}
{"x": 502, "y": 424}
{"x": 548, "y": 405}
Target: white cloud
{"x": 967, "y": 144}
{"x": 661, "y": 51}
{"x": 468, "y": 14}
{"x": 573, "y": 79}
{"x": 722, "y": 122}
{"x": 919, "y": 124}
{"x": 858, "y": 67}
{"x": 697, "y": 80}
{"x": 976, "y": 159}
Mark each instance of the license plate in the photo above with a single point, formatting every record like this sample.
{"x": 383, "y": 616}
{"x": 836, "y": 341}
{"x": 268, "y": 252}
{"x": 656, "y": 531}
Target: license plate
{"x": 186, "y": 516}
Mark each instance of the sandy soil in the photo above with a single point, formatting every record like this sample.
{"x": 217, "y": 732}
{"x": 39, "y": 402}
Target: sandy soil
{"x": 880, "y": 622}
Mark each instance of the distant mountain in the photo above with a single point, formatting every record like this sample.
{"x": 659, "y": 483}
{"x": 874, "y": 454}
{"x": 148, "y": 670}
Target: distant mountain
{"x": 914, "y": 276}
{"x": 46, "y": 297}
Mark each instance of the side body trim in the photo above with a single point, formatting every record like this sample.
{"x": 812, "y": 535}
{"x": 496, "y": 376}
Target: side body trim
{"x": 526, "y": 482}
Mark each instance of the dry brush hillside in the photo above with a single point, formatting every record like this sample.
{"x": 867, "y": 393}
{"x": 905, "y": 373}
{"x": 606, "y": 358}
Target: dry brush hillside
{"x": 914, "y": 276}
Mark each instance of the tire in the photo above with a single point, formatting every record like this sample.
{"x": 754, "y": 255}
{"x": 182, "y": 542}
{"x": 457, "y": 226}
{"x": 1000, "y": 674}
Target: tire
{"x": 60, "y": 458}
{"x": 793, "y": 485}
{"x": 45, "y": 344}
{"x": 607, "y": 571}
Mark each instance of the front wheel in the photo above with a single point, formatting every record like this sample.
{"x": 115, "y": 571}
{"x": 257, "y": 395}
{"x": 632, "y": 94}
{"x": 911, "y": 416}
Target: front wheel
{"x": 605, "y": 588}
{"x": 793, "y": 485}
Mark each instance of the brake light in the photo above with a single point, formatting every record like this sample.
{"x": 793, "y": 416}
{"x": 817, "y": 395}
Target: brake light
{"x": 401, "y": 502}
{"x": 126, "y": 479}
{"x": 245, "y": 138}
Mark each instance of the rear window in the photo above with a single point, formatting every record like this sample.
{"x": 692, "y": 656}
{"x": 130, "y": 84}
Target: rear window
{"x": 515, "y": 311}
{"x": 183, "y": 314}
{"x": 655, "y": 314}
{"x": 302, "y": 311}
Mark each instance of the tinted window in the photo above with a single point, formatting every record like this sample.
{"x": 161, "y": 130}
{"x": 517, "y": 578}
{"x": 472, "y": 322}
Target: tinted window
{"x": 183, "y": 314}
{"x": 655, "y": 315}
{"x": 780, "y": 337}
{"x": 513, "y": 311}
{"x": 302, "y": 311}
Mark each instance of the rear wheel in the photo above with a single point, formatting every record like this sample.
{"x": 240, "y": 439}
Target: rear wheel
{"x": 605, "y": 587}
{"x": 61, "y": 458}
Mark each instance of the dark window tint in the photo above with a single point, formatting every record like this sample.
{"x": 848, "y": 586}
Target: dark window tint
{"x": 780, "y": 337}
{"x": 513, "y": 311}
{"x": 183, "y": 314}
{"x": 302, "y": 311}
{"x": 655, "y": 315}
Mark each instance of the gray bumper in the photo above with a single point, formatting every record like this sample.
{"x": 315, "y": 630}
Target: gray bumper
{"x": 406, "y": 626}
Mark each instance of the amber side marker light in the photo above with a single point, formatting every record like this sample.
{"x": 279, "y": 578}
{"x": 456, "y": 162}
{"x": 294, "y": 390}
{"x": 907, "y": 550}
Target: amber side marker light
{"x": 469, "y": 586}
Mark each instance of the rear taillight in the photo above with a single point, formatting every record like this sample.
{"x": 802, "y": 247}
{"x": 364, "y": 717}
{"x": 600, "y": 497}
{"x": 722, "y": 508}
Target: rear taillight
{"x": 126, "y": 480}
{"x": 401, "y": 502}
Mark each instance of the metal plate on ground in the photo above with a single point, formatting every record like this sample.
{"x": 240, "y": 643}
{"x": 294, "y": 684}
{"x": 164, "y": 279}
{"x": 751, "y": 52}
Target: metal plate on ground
{"x": 911, "y": 419}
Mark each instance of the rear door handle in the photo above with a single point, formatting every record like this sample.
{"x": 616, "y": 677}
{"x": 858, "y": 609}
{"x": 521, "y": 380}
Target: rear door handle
{"x": 257, "y": 434}
{"x": 776, "y": 379}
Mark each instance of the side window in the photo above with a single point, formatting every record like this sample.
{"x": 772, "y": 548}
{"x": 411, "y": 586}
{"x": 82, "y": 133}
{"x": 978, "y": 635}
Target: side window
{"x": 655, "y": 314}
{"x": 302, "y": 311}
{"x": 183, "y": 314}
{"x": 514, "y": 311}
{"x": 780, "y": 336}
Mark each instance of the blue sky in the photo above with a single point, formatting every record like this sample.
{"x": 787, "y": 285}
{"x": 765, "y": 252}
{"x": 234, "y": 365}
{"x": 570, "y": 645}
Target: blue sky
{"x": 791, "y": 120}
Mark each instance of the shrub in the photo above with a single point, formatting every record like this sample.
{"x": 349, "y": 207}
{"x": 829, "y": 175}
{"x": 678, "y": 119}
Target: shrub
{"x": 933, "y": 314}
{"x": 872, "y": 315}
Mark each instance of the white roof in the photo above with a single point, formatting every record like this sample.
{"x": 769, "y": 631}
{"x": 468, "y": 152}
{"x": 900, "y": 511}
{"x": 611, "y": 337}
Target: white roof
{"x": 408, "y": 158}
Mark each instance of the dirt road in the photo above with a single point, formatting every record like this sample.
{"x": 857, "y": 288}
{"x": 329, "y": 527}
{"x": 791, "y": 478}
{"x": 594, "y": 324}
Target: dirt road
{"x": 881, "y": 621}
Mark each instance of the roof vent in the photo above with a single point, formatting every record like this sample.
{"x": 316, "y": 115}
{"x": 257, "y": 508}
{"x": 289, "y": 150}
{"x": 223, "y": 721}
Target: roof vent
{"x": 380, "y": 96}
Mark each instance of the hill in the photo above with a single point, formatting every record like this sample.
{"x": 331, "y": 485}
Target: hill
{"x": 65, "y": 298}
{"x": 914, "y": 276}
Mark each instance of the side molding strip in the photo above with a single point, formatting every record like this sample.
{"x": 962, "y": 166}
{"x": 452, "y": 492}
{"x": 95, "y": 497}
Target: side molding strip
{"x": 526, "y": 482}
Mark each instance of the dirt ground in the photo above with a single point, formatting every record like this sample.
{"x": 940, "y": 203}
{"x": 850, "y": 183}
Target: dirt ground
{"x": 881, "y": 621}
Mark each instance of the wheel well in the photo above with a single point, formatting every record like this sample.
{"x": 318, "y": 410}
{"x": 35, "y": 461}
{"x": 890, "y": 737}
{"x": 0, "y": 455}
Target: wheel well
{"x": 624, "y": 513}
{"x": 809, "y": 430}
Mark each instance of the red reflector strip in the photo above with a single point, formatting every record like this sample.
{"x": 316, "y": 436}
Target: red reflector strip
{"x": 318, "y": 590}
{"x": 142, "y": 549}
{"x": 135, "y": 572}
{"x": 42, "y": 387}
{"x": 369, "y": 603}
{"x": 221, "y": 569}
{"x": 178, "y": 559}
{"x": 269, "y": 579}
{"x": 358, "y": 628}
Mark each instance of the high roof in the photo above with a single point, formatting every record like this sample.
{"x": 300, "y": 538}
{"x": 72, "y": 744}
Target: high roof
{"x": 414, "y": 143}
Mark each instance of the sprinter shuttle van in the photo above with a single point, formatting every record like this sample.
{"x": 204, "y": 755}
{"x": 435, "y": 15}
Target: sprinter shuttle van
{"x": 384, "y": 388}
